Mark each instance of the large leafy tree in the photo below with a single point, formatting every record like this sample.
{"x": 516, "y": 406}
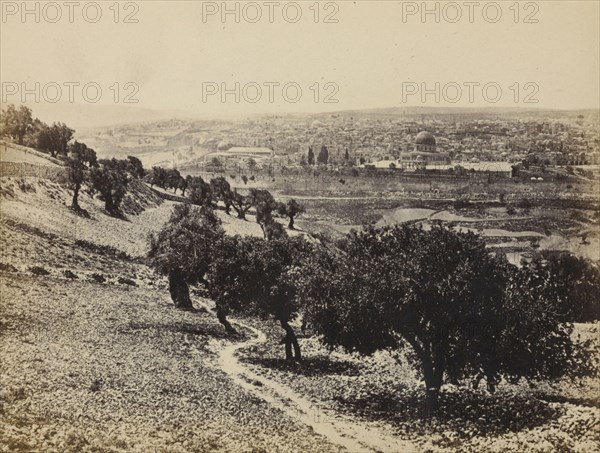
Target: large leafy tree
{"x": 173, "y": 179}
{"x": 199, "y": 192}
{"x": 110, "y": 179}
{"x": 249, "y": 276}
{"x": 265, "y": 205}
{"x": 136, "y": 168}
{"x": 221, "y": 190}
{"x": 184, "y": 249}
{"x": 158, "y": 176}
{"x": 55, "y": 139}
{"x": 291, "y": 210}
{"x": 532, "y": 339}
{"x": 15, "y": 123}
{"x": 31, "y": 138}
{"x": 241, "y": 204}
{"x": 79, "y": 156}
{"x": 184, "y": 184}
{"x": 442, "y": 294}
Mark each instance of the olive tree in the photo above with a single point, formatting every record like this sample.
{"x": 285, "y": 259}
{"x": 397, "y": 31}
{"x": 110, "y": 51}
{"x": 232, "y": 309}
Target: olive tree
{"x": 241, "y": 204}
{"x": 77, "y": 174}
{"x": 221, "y": 190}
{"x": 291, "y": 210}
{"x": 577, "y": 283}
{"x": 111, "y": 178}
{"x": 249, "y": 276}
{"x": 199, "y": 192}
{"x": 183, "y": 249}
{"x": 461, "y": 310}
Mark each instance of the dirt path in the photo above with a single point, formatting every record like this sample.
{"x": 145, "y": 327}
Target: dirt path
{"x": 351, "y": 434}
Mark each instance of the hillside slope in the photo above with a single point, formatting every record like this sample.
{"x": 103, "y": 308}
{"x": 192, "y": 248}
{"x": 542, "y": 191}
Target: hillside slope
{"x": 94, "y": 356}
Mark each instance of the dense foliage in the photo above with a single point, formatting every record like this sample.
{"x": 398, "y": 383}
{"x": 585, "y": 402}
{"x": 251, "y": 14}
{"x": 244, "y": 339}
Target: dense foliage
{"x": 249, "y": 275}
{"x": 221, "y": 191}
{"x": 291, "y": 210}
{"x": 183, "y": 250}
{"x": 199, "y": 192}
{"x": 241, "y": 204}
{"x": 110, "y": 178}
{"x": 576, "y": 284}
{"x": 15, "y": 123}
{"x": 462, "y": 311}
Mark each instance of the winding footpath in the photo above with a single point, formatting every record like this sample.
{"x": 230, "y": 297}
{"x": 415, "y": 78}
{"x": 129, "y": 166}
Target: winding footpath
{"x": 354, "y": 435}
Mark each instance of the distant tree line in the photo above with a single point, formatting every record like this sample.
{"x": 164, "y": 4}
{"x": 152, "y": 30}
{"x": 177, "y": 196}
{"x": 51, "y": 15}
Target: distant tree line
{"x": 109, "y": 178}
{"x": 202, "y": 193}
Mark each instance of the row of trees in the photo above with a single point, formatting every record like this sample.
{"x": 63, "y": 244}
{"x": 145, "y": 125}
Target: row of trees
{"x": 107, "y": 177}
{"x": 464, "y": 313}
{"x": 322, "y": 157}
{"x": 19, "y": 126}
{"x": 201, "y": 193}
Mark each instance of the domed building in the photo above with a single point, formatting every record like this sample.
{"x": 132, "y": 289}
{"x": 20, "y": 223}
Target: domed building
{"x": 424, "y": 153}
{"x": 425, "y": 141}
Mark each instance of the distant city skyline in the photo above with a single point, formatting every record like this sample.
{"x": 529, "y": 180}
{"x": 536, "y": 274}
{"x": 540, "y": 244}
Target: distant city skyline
{"x": 378, "y": 53}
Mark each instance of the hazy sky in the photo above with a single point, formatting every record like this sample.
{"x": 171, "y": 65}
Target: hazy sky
{"x": 362, "y": 61}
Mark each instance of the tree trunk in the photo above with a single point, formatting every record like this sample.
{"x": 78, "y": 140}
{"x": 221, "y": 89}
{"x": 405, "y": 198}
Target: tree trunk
{"x": 109, "y": 205}
{"x": 75, "y": 202}
{"x": 291, "y": 224}
{"x": 264, "y": 230}
{"x": 222, "y": 317}
{"x": 180, "y": 291}
{"x": 290, "y": 341}
{"x": 433, "y": 382}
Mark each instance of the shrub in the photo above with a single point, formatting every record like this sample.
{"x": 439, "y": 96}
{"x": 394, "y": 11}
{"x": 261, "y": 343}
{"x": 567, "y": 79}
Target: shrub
{"x": 525, "y": 203}
{"x": 70, "y": 275}
{"x": 98, "y": 278}
{"x": 101, "y": 249}
{"x": 127, "y": 281}
{"x": 25, "y": 186}
{"x": 461, "y": 203}
{"x": 38, "y": 270}
{"x": 7, "y": 267}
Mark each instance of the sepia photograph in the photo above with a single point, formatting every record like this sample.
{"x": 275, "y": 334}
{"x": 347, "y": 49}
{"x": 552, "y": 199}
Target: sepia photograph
{"x": 312, "y": 226}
